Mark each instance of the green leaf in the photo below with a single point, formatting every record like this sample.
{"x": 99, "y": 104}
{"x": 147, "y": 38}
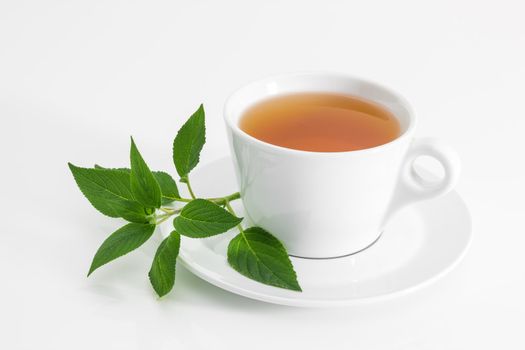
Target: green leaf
{"x": 126, "y": 170}
{"x": 121, "y": 242}
{"x": 168, "y": 187}
{"x": 167, "y": 184}
{"x": 109, "y": 192}
{"x": 144, "y": 186}
{"x": 260, "y": 256}
{"x": 162, "y": 272}
{"x": 202, "y": 218}
{"x": 188, "y": 143}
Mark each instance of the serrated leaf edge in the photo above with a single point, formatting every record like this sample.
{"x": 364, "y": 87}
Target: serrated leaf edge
{"x": 298, "y": 289}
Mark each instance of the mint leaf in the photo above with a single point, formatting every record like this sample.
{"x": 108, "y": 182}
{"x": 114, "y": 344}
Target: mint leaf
{"x": 121, "y": 242}
{"x": 260, "y": 256}
{"x": 167, "y": 184}
{"x": 168, "y": 187}
{"x": 126, "y": 170}
{"x": 162, "y": 272}
{"x": 144, "y": 186}
{"x": 202, "y": 218}
{"x": 109, "y": 192}
{"x": 188, "y": 143}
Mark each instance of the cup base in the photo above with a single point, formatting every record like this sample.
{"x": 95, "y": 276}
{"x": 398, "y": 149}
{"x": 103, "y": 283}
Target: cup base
{"x": 339, "y": 256}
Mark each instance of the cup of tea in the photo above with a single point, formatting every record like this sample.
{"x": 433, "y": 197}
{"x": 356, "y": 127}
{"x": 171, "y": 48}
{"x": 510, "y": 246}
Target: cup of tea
{"x": 323, "y": 161}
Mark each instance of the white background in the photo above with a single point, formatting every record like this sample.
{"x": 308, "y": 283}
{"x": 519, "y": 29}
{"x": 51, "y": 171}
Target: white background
{"x": 77, "y": 78}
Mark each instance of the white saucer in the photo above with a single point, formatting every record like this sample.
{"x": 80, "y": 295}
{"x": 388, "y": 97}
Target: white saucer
{"x": 420, "y": 245}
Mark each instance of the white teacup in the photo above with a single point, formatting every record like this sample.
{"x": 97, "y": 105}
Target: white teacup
{"x": 330, "y": 204}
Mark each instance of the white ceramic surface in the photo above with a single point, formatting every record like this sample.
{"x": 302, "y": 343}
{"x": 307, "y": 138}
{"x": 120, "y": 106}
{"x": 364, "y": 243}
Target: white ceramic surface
{"x": 330, "y": 204}
{"x": 420, "y": 244}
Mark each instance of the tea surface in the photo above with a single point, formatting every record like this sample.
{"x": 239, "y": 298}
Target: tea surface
{"x": 320, "y": 122}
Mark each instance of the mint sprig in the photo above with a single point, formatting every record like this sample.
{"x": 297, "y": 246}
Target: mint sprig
{"x": 142, "y": 196}
{"x": 109, "y": 192}
{"x": 121, "y": 242}
{"x": 162, "y": 272}
{"x": 260, "y": 256}
{"x": 144, "y": 186}
{"x": 168, "y": 186}
{"x": 188, "y": 143}
{"x": 202, "y": 218}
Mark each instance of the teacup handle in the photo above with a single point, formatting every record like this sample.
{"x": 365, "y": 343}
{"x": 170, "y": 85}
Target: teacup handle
{"x": 413, "y": 187}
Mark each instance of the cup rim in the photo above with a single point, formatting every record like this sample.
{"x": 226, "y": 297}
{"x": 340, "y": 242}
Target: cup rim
{"x": 234, "y": 127}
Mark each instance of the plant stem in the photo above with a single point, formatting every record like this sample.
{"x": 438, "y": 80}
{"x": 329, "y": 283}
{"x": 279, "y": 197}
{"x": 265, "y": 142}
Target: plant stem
{"x": 223, "y": 200}
{"x": 168, "y": 212}
{"x": 216, "y": 200}
{"x": 230, "y": 209}
{"x": 162, "y": 220}
{"x": 186, "y": 200}
{"x": 166, "y": 216}
{"x": 189, "y": 188}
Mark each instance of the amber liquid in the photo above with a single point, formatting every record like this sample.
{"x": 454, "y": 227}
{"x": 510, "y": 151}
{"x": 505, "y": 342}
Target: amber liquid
{"x": 320, "y": 122}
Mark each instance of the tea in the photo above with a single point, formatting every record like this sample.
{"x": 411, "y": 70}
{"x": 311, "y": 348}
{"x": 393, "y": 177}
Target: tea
{"x": 320, "y": 122}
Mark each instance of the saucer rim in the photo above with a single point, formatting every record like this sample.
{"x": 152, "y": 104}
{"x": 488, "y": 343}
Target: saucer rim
{"x": 200, "y": 272}
{"x": 215, "y": 278}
